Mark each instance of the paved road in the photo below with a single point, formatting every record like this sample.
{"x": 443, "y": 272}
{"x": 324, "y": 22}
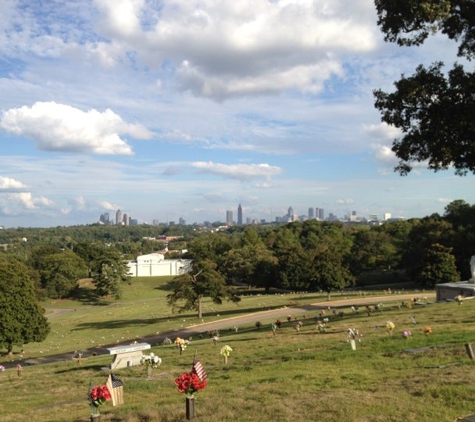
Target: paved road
{"x": 237, "y": 321}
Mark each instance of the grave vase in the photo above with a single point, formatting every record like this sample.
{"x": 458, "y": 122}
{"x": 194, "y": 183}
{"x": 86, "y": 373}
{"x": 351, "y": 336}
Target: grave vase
{"x": 149, "y": 371}
{"x": 95, "y": 418}
{"x": 190, "y": 407}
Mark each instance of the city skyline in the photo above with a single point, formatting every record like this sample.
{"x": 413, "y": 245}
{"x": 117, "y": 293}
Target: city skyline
{"x": 185, "y": 109}
{"x": 312, "y": 213}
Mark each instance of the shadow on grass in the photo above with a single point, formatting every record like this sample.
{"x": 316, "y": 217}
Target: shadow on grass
{"x": 82, "y": 367}
{"x": 87, "y": 297}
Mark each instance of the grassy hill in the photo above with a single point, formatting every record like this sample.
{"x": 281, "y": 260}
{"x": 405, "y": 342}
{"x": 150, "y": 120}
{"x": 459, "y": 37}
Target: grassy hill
{"x": 309, "y": 374}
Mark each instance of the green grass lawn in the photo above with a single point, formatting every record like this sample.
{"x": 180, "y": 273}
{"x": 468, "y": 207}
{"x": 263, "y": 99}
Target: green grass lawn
{"x": 303, "y": 375}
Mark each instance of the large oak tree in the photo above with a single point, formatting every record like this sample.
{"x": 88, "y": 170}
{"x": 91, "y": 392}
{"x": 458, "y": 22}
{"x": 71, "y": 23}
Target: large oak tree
{"x": 21, "y": 317}
{"x": 433, "y": 109}
{"x": 203, "y": 281}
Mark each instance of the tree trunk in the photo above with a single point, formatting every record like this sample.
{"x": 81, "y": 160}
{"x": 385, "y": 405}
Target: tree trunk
{"x": 200, "y": 311}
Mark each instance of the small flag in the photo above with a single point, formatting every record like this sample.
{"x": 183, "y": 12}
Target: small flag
{"x": 116, "y": 388}
{"x": 199, "y": 370}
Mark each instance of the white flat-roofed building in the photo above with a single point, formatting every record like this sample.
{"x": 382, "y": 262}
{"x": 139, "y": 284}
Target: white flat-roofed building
{"x": 155, "y": 264}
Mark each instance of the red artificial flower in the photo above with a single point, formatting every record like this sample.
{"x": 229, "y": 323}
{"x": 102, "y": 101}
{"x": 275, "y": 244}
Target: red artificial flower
{"x": 99, "y": 395}
{"x": 189, "y": 383}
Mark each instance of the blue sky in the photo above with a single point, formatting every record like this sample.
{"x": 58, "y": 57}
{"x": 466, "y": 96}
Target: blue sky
{"x": 186, "y": 108}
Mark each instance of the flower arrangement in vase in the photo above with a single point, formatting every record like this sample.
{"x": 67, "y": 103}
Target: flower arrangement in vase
{"x": 98, "y": 396}
{"x": 182, "y": 344}
{"x": 189, "y": 383}
{"x": 226, "y": 352}
{"x": 390, "y": 327}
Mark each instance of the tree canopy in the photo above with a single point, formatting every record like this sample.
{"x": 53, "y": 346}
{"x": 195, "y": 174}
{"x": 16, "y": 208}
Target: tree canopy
{"x": 21, "y": 317}
{"x": 204, "y": 280}
{"x": 433, "y": 110}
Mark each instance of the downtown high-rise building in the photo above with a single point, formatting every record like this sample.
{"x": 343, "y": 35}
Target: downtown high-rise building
{"x": 319, "y": 214}
{"x": 311, "y": 214}
{"x": 290, "y": 214}
{"x": 239, "y": 220}
{"x": 118, "y": 217}
{"x": 229, "y": 218}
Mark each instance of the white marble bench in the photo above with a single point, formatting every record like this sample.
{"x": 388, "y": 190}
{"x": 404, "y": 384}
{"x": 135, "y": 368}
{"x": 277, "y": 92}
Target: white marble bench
{"x": 127, "y": 355}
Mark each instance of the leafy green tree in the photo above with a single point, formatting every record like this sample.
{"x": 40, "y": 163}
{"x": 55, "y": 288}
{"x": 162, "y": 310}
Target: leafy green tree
{"x": 109, "y": 272}
{"x": 22, "y": 319}
{"x": 59, "y": 273}
{"x": 433, "y": 109}
{"x": 204, "y": 280}
{"x": 89, "y": 252}
{"x": 462, "y": 217}
{"x": 437, "y": 266}
{"x": 425, "y": 233}
{"x": 372, "y": 250}
{"x": 330, "y": 273}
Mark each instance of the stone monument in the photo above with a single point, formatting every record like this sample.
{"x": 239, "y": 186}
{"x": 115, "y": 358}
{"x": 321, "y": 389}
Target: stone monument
{"x": 472, "y": 269}
{"x": 463, "y": 289}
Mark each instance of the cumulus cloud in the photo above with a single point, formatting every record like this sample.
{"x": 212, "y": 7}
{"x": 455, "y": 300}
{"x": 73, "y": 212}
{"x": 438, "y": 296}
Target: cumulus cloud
{"x": 109, "y": 206}
{"x": 382, "y": 132}
{"x": 59, "y": 127}
{"x": 78, "y": 203}
{"x": 383, "y": 154}
{"x": 8, "y": 184}
{"x": 21, "y": 202}
{"x": 223, "y": 49}
{"x": 242, "y": 172}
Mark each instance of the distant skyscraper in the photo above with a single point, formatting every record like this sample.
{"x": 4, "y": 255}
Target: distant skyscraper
{"x": 239, "y": 215}
{"x": 104, "y": 218}
{"x": 319, "y": 213}
{"x": 118, "y": 217}
{"x": 126, "y": 219}
{"x": 310, "y": 213}
{"x": 290, "y": 214}
{"x": 229, "y": 218}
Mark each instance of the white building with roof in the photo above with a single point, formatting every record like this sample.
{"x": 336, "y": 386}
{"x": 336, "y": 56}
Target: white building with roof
{"x": 155, "y": 264}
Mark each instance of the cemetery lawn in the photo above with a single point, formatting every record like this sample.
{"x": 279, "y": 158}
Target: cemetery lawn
{"x": 302, "y": 375}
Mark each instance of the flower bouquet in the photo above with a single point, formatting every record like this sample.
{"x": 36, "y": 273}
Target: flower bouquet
{"x": 151, "y": 360}
{"x": 2, "y": 368}
{"x": 189, "y": 383}
{"x": 406, "y": 334}
{"x": 181, "y": 343}
{"x": 390, "y": 326}
{"x": 427, "y": 331}
{"x": 225, "y": 352}
{"x": 98, "y": 396}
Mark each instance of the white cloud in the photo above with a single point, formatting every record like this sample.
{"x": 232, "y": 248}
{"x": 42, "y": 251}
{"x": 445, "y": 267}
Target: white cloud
{"x": 241, "y": 172}
{"x": 224, "y": 49}
{"x": 345, "y": 201}
{"x": 9, "y": 184}
{"x": 382, "y": 132}
{"x": 59, "y": 127}
{"x": 78, "y": 203}
{"x": 109, "y": 206}
{"x": 21, "y": 202}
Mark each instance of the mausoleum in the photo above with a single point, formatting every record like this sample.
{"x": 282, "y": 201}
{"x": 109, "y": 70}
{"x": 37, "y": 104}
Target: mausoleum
{"x": 155, "y": 264}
